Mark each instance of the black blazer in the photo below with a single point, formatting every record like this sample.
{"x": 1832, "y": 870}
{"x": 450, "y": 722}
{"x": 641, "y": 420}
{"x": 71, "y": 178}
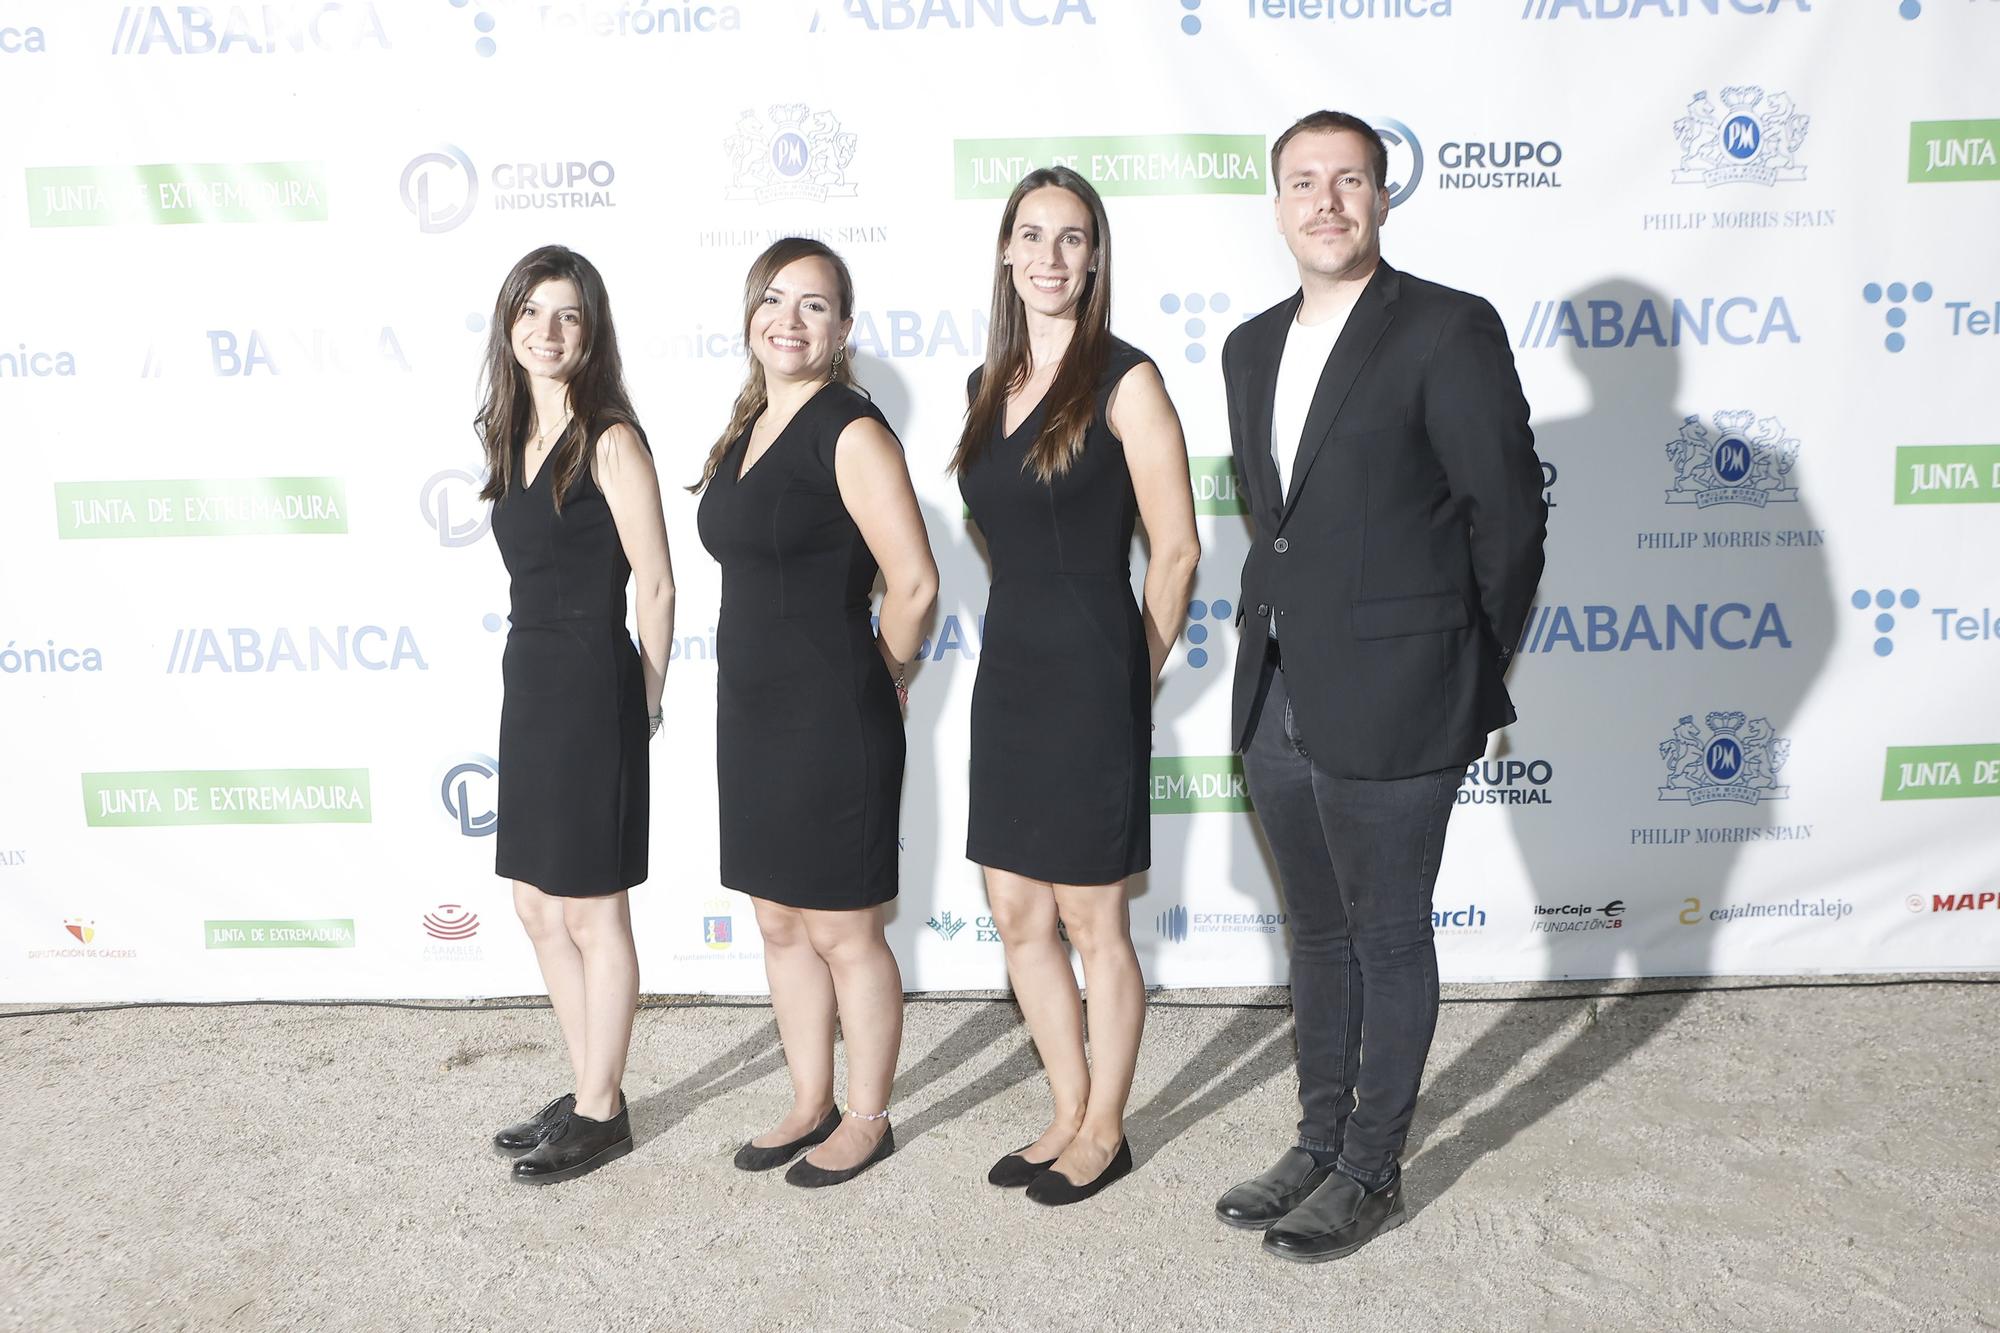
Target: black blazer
{"x": 1401, "y": 565}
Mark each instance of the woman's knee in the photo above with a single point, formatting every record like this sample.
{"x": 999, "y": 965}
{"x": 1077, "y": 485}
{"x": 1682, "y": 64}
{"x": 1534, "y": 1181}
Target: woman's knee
{"x": 541, "y": 914}
{"x": 783, "y": 928}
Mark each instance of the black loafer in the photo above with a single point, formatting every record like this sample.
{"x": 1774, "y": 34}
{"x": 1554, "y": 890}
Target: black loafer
{"x": 1262, "y": 1200}
{"x": 576, "y": 1146}
{"x": 750, "y": 1157}
{"x": 809, "y": 1177}
{"x": 1055, "y": 1189}
{"x": 1337, "y": 1220}
{"x": 519, "y": 1138}
{"x": 1013, "y": 1171}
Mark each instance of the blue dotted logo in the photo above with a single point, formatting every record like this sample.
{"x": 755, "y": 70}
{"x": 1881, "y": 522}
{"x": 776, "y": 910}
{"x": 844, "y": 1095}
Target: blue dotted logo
{"x": 1199, "y": 613}
{"x": 1896, "y": 316}
{"x": 1885, "y": 601}
{"x": 483, "y": 21}
{"x": 1191, "y": 21}
{"x": 1196, "y": 305}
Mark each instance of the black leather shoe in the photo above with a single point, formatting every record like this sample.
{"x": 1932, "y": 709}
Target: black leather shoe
{"x": 577, "y": 1145}
{"x": 1013, "y": 1171}
{"x": 517, "y": 1139}
{"x": 750, "y": 1157}
{"x": 1054, "y": 1188}
{"x": 809, "y": 1177}
{"x": 1337, "y": 1220}
{"x": 1262, "y": 1200}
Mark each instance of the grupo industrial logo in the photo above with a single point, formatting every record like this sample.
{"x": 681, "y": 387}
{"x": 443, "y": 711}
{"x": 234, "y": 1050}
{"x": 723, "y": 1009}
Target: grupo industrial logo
{"x": 1753, "y": 138}
{"x": 450, "y": 503}
{"x": 440, "y": 187}
{"x": 1599, "y": 324}
{"x": 276, "y": 27}
{"x": 1509, "y": 781}
{"x": 789, "y": 152}
{"x": 1731, "y": 627}
{"x": 1406, "y": 159}
{"x": 451, "y": 922}
{"x": 22, "y": 41}
{"x": 36, "y": 363}
{"x": 202, "y": 648}
{"x": 1641, "y": 10}
{"x": 1569, "y": 918}
{"x": 468, "y": 796}
{"x": 1736, "y": 760}
{"x": 947, "y": 15}
{"x": 1744, "y": 460}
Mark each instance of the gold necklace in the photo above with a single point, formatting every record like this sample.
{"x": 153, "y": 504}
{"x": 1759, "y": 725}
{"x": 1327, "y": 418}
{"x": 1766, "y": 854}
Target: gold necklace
{"x": 541, "y": 436}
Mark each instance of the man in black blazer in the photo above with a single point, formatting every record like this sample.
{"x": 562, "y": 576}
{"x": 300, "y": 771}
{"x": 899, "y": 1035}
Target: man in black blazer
{"x": 1396, "y": 501}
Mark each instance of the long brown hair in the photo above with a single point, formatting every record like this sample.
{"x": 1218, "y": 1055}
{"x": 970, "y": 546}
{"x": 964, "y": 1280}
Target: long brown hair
{"x": 597, "y": 396}
{"x": 753, "y": 397}
{"x": 1071, "y": 401}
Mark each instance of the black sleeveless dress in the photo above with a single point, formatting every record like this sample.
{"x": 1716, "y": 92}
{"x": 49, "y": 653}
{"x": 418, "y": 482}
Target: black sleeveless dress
{"x": 573, "y": 770}
{"x": 1062, "y": 709}
{"x": 808, "y": 733}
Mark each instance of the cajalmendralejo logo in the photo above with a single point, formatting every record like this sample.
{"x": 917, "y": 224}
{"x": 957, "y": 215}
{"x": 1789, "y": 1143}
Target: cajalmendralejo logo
{"x": 1738, "y": 761}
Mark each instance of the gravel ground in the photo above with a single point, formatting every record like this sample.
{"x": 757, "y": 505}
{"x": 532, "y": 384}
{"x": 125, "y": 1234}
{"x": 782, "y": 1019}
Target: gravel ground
{"x": 1764, "y": 1160}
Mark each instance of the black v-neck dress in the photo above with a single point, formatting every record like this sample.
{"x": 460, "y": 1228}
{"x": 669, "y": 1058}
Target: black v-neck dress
{"x": 808, "y": 733}
{"x": 573, "y": 768}
{"x": 1062, "y": 709}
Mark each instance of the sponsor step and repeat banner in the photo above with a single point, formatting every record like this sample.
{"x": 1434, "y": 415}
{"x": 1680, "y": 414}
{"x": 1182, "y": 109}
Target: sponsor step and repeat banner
{"x": 251, "y": 614}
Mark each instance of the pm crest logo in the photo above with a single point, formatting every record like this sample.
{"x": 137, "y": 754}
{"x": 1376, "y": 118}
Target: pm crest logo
{"x": 798, "y": 153}
{"x": 1738, "y": 760}
{"x": 1745, "y": 460}
{"x": 1752, "y": 138}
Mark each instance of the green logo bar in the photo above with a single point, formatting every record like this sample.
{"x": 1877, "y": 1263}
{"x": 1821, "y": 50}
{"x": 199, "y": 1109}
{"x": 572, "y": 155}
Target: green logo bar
{"x": 327, "y": 934}
{"x": 1954, "y": 150}
{"x": 1948, "y": 474}
{"x": 1941, "y": 772}
{"x": 172, "y": 193}
{"x": 226, "y": 796}
{"x": 1189, "y": 784}
{"x": 1216, "y": 489}
{"x": 1115, "y": 164}
{"x": 229, "y": 507}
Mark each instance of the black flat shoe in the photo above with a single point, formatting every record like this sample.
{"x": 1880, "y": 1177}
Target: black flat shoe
{"x": 752, "y": 1158}
{"x": 1013, "y": 1171}
{"x": 519, "y": 1138}
{"x": 576, "y": 1145}
{"x": 1337, "y": 1220}
{"x": 1054, "y": 1188}
{"x": 809, "y": 1177}
{"x": 1262, "y": 1200}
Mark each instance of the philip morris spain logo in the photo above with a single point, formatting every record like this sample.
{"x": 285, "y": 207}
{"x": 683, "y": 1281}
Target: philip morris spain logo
{"x": 1947, "y": 151}
{"x": 1948, "y": 474}
{"x": 330, "y": 933}
{"x": 1195, "y": 784}
{"x": 1745, "y": 460}
{"x": 798, "y": 153}
{"x": 1753, "y": 139}
{"x": 231, "y": 507}
{"x": 1940, "y": 772}
{"x": 175, "y": 194}
{"x": 1138, "y": 164}
{"x": 226, "y": 796}
{"x": 1738, "y": 760}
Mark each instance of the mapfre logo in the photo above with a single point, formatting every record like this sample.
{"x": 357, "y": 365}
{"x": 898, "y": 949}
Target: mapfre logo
{"x": 302, "y": 27}
{"x": 1987, "y": 901}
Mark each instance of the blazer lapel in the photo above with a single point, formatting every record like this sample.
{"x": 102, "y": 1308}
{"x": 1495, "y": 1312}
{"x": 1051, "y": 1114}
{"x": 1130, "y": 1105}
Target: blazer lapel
{"x": 1365, "y": 326}
{"x": 1260, "y": 398}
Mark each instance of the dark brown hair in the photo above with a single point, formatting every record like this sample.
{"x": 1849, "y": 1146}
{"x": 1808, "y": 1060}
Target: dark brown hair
{"x": 753, "y": 397}
{"x": 1327, "y": 121}
{"x": 1071, "y": 400}
{"x": 597, "y": 396}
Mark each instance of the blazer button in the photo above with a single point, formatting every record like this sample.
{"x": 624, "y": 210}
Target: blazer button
{"x": 1263, "y": 610}
{"x": 1281, "y": 546}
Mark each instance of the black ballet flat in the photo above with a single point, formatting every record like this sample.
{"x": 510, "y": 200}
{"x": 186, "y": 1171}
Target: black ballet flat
{"x": 750, "y": 1157}
{"x": 809, "y": 1177}
{"x": 1054, "y": 1188}
{"x": 519, "y": 1138}
{"x": 576, "y": 1146}
{"x": 1013, "y": 1171}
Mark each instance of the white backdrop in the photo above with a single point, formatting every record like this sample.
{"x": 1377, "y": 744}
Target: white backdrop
{"x": 252, "y": 617}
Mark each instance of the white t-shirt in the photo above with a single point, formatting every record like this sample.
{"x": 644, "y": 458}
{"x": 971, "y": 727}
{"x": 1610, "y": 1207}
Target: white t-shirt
{"x": 1307, "y": 347}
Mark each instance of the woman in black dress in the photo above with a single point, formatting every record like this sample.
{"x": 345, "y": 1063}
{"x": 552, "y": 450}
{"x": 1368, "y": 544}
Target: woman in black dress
{"x": 1069, "y": 437}
{"x": 803, "y": 496}
{"x": 576, "y": 514}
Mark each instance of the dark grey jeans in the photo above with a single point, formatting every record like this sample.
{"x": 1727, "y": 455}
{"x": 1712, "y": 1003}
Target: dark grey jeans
{"x": 1356, "y": 864}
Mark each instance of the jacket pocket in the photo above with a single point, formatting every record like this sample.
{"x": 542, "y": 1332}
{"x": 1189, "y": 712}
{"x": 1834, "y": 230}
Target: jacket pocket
{"x": 1425, "y": 613}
